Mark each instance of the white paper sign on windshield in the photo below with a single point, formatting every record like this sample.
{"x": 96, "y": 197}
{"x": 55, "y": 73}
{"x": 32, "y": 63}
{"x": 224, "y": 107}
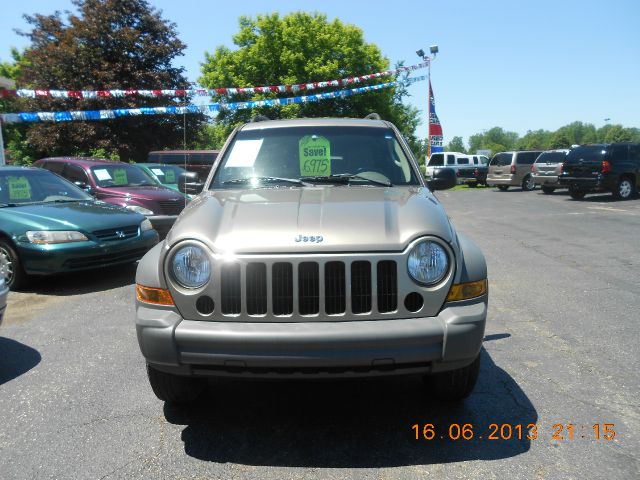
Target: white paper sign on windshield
{"x": 102, "y": 174}
{"x": 244, "y": 153}
{"x": 157, "y": 171}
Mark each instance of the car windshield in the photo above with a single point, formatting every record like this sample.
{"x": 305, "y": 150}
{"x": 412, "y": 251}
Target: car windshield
{"x": 167, "y": 174}
{"x": 551, "y": 157}
{"x": 120, "y": 175}
{"x": 592, "y": 153}
{"x": 308, "y": 155}
{"x": 501, "y": 159}
{"x": 20, "y": 187}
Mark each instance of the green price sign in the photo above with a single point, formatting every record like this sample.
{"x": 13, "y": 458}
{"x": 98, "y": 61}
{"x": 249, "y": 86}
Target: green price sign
{"x": 19, "y": 188}
{"x": 315, "y": 156}
{"x": 120, "y": 176}
{"x": 169, "y": 176}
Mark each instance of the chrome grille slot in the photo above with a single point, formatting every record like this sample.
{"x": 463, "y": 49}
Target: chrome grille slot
{"x": 335, "y": 295}
{"x": 361, "y": 287}
{"x": 118, "y": 233}
{"x": 256, "y": 274}
{"x": 308, "y": 288}
{"x": 230, "y": 289}
{"x": 387, "y": 286}
{"x": 282, "y": 288}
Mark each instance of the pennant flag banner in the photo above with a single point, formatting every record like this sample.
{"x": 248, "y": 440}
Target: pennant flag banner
{"x": 85, "y": 115}
{"x": 435, "y": 129}
{"x": 26, "y": 93}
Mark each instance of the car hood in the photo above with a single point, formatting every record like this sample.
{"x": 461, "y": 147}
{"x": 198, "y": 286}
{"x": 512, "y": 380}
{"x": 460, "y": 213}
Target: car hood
{"x": 143, "y": 193}
{"x": 312, "y": 219}
{"x": 86, "y": 216}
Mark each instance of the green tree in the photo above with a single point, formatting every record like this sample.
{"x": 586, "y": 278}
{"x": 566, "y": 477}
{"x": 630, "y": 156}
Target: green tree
{"x": 303, "y": 47}
{"x": 495, "y": 139}
{"x": 535, "y": 140}
{"x": 456, "y": 145}
{"x": 108, "y": 44}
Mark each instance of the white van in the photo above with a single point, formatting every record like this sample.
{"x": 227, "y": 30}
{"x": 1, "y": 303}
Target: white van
{"x": 455, "y": 160}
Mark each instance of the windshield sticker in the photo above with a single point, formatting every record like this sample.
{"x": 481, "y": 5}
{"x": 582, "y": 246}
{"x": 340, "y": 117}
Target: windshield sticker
{"x": 315, "y": 156}
{"x": 169, "y": 176}
{"x": 19, "y": 188}
{"x": 244, "y": 153}
{"x": 120, "y": 176}
{"x": 157, "y": 171}
{"x": 102, "y": 175}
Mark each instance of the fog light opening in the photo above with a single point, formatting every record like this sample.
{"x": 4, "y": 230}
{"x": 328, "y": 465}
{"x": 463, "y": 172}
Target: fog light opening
{"x": 413, "y": 302}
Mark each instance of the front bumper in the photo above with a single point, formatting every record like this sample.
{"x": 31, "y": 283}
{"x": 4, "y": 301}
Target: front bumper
{"x": 450, "y": 340}
{"x": 70, "y": 257}
{"x": 4, "y": 293}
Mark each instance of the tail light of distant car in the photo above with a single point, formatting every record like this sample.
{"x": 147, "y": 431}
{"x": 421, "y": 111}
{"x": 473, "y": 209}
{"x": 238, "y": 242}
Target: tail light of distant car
{"x": 606, "y": 167}
{"x": 513, "y": 169}
{"x": 476, "y": 173}
{"x": 534, "y": 169}
{"x": 458, "y": 173}
{"x": 562, "y": 167}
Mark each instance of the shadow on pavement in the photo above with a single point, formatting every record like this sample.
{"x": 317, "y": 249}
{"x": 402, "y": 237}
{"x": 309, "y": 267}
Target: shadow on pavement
{"x": 350, "y": 423}
{"x": 78, "y": 283}
{"x": 15, "y": 359}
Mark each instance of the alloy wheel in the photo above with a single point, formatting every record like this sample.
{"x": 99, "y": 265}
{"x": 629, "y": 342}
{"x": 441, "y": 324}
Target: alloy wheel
{"x": 6, "y": 265}
{"x": 624, "y": 189}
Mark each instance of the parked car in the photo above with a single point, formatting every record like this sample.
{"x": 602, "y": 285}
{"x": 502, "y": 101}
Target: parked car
{"x": 476, "y": 173}
{"x": 613, "y": 167}
{"x": 315, "y": 250}
{"x": 512, "y": 169}
{"x": 4, "y": 293}
{"x": 165, "y": 175}
{"x": 121, "y": 184}
{"x": 199, "y": 161}
{"x": 48, "y": 225}
{"x": 454, "y": 160}
{"x": 546, "y": 169}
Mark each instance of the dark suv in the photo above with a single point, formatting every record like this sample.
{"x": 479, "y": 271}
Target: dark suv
{"x": 613, "y": 167}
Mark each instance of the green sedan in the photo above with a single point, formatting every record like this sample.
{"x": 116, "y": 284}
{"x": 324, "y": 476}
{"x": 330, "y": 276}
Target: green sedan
{"x": 165, "y": 175}
{"x": 48, "y": 225}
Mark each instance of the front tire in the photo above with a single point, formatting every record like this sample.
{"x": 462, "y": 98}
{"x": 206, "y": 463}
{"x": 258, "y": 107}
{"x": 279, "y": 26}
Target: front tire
{"x": 547, "y": 190}
{"x": 624, "y": 189}
{"x": 174, "y": 388}
{"x": 454, "y": 385}
{"x": 10, "y": 267}
{"x": 528, "y": 184}
{"x": 577, "y": 194}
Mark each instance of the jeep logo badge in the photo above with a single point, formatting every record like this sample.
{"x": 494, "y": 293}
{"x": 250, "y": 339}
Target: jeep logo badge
{"x": 312, "y": 238}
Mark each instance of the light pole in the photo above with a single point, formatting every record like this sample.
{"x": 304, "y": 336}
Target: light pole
{"x": 433, "y": 50}
{"x": 4, "y": 83}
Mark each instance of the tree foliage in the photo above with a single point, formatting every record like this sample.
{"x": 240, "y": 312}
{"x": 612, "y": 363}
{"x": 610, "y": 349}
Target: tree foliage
{"x": 456, "y": 145}
{"x": 301, "y": 48}
{"x": 108, "y": 44}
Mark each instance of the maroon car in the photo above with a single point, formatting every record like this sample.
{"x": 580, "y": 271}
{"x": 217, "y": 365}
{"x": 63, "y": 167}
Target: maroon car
{"x": 199, "y": 161}
{"x": 121, "y": 184}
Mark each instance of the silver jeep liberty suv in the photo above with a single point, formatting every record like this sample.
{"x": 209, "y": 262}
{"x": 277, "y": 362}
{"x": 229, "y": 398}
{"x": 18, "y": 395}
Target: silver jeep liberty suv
{"x": 314, "y": 249}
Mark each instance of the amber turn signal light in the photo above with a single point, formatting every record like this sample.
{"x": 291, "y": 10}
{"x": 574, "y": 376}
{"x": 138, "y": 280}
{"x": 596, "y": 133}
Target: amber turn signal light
{"x": 155, "y": 296}
{"x": 465, "y": 291}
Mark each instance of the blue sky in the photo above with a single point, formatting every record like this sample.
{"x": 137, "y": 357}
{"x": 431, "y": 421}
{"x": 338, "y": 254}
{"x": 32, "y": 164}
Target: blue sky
{"x": 521, "y": 65}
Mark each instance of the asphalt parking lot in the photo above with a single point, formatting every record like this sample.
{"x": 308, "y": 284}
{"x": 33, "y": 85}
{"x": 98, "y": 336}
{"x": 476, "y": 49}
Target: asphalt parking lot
{"x": 561, "y": 348}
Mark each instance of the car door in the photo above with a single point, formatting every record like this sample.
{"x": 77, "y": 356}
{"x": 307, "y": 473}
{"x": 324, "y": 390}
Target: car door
{"x": 77, "y": 176}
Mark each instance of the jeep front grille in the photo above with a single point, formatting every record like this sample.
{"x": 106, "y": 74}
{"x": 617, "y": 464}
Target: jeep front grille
{"x": 255, "y": 288}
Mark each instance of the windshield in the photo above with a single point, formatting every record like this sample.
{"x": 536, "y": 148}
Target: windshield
{"x": 501, "y": 159}
{"x": 120, "y": 175}
{"x": 282, "y": 156}
{"x": 593, "y": 153}
{"x": 34, "y": 186}
{"x": 167, "y": 174}
{"x": 552, "y": 157}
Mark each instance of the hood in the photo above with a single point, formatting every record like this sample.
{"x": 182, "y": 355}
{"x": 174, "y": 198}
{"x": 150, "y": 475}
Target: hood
{"x": 312, "y": 219}
{"x": 143, "y": 193}
{"x": 85, "y": 216}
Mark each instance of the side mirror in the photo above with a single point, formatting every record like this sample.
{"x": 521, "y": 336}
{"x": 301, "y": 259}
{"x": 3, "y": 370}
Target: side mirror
{"x": 84, "y": 186}
{"x": 189, "y": 184}
{"x": 442, "y": 179}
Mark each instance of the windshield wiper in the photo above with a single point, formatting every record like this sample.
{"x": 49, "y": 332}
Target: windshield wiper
{"x": 345, "y": 178}
{"x": 243, "y": 181}
{"x": 2, "y": 205}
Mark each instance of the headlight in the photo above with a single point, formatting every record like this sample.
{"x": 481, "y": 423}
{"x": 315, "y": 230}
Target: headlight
{"x": 61, "y": 236}
{"x": 146, "y": 225}
{"x": 191, "y": 267}
{"x": 139, "y": 209}
{"x": 427, "y": 263}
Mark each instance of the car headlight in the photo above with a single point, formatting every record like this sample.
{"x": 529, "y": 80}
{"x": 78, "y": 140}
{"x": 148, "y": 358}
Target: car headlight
{"x": 139, "y": 209}
{"x": 146, "y": 225}
{"x": 191, "y": 267}
{"x": 428, "y": 262}
{"x": 45, "y": 237}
